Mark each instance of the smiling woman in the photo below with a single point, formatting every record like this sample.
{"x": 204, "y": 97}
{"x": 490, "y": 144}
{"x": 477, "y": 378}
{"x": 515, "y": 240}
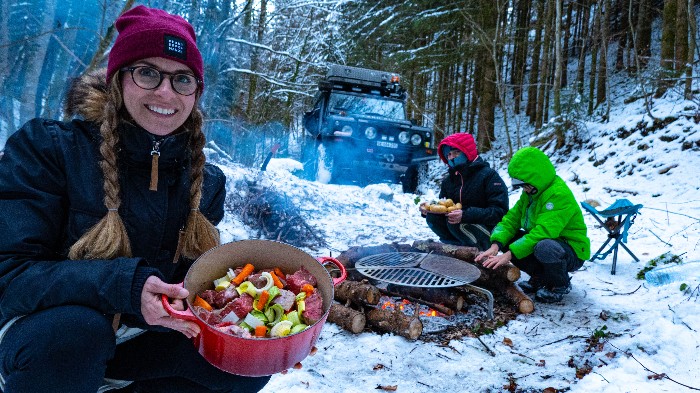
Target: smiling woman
{"x": 117, "y": 204}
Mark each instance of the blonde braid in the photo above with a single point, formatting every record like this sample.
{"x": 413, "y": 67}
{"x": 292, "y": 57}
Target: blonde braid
{"x": 200, "y": 234}
{"x": 108, "y": 238}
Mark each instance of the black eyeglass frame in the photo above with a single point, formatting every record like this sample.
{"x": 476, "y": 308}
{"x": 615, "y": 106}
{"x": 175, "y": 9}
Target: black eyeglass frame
{"x": 162, "y": 76}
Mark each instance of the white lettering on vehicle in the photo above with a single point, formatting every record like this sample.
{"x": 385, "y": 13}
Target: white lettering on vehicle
{"x": 387, "y": 144}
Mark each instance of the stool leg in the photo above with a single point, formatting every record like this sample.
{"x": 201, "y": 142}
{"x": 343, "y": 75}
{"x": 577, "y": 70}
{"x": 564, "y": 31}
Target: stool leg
{"x": 600, "y": 249}
{"x": 630, "y": 252}
{"x": 614, "y": 265}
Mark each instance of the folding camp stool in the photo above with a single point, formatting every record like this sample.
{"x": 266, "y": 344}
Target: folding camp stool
{"x": 619, "y": 217}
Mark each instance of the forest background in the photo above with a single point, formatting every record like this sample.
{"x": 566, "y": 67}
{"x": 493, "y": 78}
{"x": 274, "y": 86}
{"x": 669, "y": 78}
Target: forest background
{"x": 468, "y": 65}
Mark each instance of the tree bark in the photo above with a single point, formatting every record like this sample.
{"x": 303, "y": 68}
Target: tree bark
{"x": 360, "y": 293}
{"x": 519, "y": 298}
{"x": 351, "y": 320}
{"x": 395, "y": 321}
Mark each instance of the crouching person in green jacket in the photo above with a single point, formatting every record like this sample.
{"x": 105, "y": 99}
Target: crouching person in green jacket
{"x": 544, "y": 233}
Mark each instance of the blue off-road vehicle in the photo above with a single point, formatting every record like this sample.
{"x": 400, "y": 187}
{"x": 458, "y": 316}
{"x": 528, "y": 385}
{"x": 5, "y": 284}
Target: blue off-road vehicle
{"x": 359, "y": 132}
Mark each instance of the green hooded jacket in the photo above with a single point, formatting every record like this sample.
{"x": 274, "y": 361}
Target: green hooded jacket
{"x": 552, "y": 213}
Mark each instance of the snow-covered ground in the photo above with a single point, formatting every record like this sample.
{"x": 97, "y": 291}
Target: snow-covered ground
{"x": 648, "y": 335}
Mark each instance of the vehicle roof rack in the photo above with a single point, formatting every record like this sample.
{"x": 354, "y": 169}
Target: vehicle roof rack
{"x": 361, "y": 76}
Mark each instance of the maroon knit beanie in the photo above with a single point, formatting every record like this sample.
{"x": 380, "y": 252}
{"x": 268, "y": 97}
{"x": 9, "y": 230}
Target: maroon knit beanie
{"x": 149, "y": 32}
{"x": 462, "y": 142}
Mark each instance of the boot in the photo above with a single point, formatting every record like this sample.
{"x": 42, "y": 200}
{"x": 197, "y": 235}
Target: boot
{"x": 532, "y": 285}
{"x": 552, "y": 295}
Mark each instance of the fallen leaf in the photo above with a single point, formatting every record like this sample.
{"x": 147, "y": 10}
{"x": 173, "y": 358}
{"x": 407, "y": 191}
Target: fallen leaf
{"x": 657, "y": 376}
{"x": 611, "y": 355}
{"x": 378, "y": 367}
{"x": 550, "y": 390}
{"x": 508, "y": 342}
{"x": 541, "y": 363}
{"x": 389, "y": 388}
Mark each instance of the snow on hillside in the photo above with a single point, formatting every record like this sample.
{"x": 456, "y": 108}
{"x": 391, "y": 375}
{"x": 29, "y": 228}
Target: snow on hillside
{"x": 648, "y": 335}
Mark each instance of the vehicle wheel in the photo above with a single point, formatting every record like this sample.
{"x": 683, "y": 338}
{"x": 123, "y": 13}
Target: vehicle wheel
{"x": 413, "y": 177}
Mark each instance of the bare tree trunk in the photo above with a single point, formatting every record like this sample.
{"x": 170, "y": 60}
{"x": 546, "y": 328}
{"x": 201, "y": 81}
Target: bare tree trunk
{"x": 559, "y": 63}
{"x": 594, "y": 64}
{"x": 604, "y": 16}
{"x": 487, "y": 56}
{"x": 668, "y": 34}
{"x": 255, "y": 59}
{"x": 643, "y": 44}
{"x": 522, "y": 23}
{"x": 681, "y": 43}
{"x": 532, "y": 89}
{"x": 547, "y": 27}
{"x": 692, "y": 31}
{"x": 581, "y": 67}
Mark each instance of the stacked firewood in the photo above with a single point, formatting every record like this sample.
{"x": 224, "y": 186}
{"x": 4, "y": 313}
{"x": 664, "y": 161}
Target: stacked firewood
{"x": 357, "y": 301}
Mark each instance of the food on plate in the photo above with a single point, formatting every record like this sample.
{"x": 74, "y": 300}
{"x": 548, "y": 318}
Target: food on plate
{"x": 260, "y": 304}
{"x": 441, "y": 207}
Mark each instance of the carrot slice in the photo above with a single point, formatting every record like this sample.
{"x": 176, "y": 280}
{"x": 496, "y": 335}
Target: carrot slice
{"x": 279, "y": 273}
{"x": 262, "y": 300}
{"x": 308, "y": 288}
{"x": 198, "y": 301}
{"x": 276, "y": 280}
{"x": 245, "y": 272}
{"x": 260, "y": 331}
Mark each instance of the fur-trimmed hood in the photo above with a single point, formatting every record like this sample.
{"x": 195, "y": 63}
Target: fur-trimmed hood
{"x": 87, "y": 96}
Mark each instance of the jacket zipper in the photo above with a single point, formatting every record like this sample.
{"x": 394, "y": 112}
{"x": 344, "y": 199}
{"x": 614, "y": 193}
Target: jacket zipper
{"x": 155, "y": 154}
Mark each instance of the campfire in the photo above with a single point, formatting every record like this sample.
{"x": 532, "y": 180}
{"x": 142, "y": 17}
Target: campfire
{"x": 408, "y": 308}
{"x": 408, "y": 291}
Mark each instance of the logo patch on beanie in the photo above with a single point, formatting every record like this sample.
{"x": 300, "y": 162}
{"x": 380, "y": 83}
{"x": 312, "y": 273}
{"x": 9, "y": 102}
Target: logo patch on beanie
{"x": 549, "y": 206}
{"x": 175, "y": 47}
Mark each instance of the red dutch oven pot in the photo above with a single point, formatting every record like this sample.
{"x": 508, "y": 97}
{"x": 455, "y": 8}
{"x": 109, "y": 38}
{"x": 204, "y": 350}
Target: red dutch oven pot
{"x": 255, "y": 356}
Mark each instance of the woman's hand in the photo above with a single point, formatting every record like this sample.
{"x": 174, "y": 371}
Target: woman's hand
{"x": 153, "y": 311}
{"x": 455, "y": 216}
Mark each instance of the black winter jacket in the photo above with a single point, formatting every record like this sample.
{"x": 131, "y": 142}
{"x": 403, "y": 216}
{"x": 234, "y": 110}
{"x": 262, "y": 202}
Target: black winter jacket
{"x": 480, "y": 190}
{"x": 51, "y": 192}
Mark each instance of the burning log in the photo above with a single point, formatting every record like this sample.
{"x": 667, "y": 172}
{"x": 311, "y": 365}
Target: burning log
{"x": 360, "y": 293}
{"x": 347, "y": 318}
{"x": 435, "y": 306}
{"x": 395, "y": 321}
{"x": 433, "y": 296}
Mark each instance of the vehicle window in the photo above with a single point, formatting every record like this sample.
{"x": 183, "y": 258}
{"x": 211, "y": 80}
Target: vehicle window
{"x": 366, "y": 105}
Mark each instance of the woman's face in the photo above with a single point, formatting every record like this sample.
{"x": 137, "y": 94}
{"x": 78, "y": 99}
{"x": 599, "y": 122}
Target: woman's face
{"x": 162, "y": 110}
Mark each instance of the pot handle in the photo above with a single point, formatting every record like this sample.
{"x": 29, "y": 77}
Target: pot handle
{"x": 184, "y": 315}
{"x": 343, "y": 272}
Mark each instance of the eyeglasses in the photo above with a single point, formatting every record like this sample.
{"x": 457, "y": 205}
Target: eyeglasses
{"x": 150, "y": 78}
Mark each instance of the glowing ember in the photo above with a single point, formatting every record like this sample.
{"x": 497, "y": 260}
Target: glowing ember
{"x": 409, "y": 308}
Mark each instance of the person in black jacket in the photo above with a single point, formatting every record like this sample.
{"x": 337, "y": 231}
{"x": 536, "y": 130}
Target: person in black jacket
{"x": 479, "y": 189}
{"x": 104, "y": 214}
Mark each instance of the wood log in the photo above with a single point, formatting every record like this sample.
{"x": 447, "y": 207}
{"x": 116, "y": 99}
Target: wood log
{"x": 435, "y": 306}
{"x": 357, "y": 292}
{"x": 395, "y": 321}
{"x": 460, "y": 252}
{"x": 351, "y": 320}
{"x": 519, "y": 298}
{"x": 510, "y": 272}
{"x": 443, "y": 296}
{"x": 349, "y": 257}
